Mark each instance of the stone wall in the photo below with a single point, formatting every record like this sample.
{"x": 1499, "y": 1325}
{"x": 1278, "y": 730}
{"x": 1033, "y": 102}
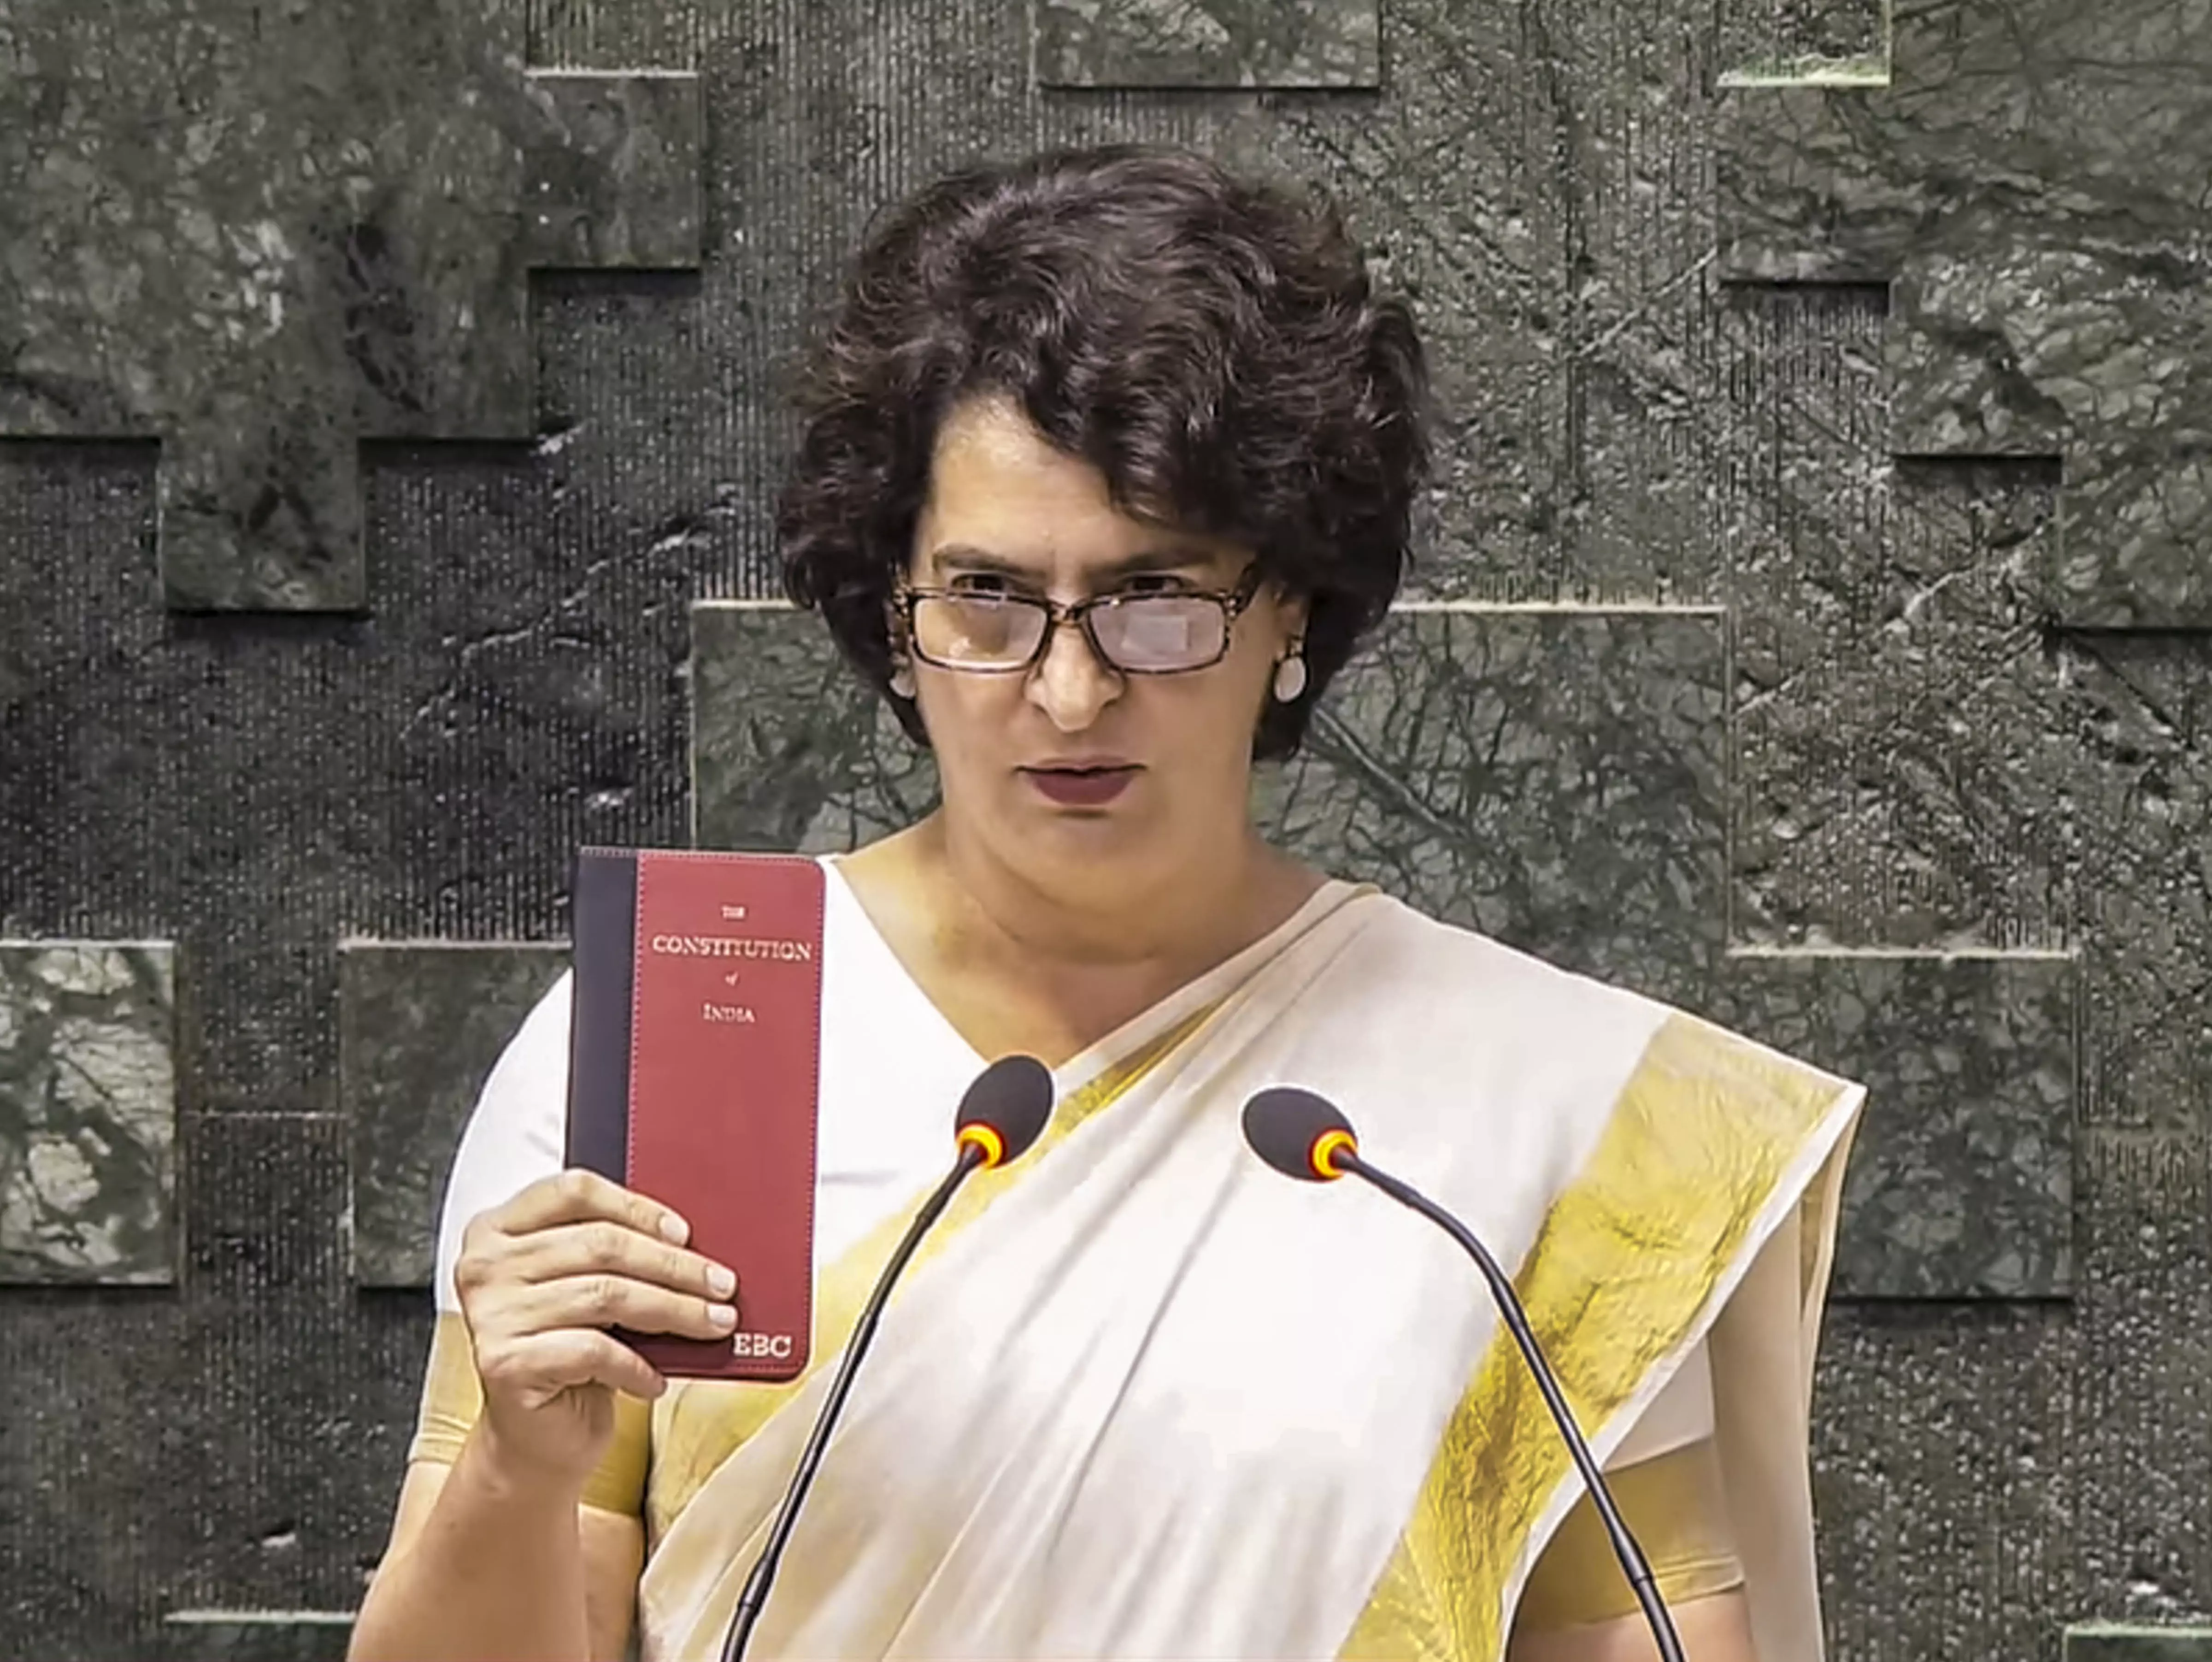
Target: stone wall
{"x": 1810, "y": 627}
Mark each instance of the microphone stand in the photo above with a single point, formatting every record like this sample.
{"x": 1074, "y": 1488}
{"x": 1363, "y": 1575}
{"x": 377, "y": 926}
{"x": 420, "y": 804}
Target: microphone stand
{"x": 1632, "y": 1561}
{"x": 754, "y": 1595}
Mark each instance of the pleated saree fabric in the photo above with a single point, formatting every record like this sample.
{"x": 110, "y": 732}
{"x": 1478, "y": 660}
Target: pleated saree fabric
{"x": 1141, "y": 1397}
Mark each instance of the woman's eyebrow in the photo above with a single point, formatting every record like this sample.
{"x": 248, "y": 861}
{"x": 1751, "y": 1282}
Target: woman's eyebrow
{"x": 968, "y": 558}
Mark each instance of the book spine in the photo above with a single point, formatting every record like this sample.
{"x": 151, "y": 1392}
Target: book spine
{"x": 603, "y": 906}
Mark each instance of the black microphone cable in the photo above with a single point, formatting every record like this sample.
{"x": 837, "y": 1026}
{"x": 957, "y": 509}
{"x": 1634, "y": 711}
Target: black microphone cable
{"x": 1002, "y": 1114}
{"x": 1306, "y": 1136}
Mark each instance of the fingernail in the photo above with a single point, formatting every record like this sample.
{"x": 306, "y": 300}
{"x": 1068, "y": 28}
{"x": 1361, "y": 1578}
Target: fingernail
{"x": 720, "y": 1281}
{"x": 722, "y": 1315}
{"x": 673, "y": 1229}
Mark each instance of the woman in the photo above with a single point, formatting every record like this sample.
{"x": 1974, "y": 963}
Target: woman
{"x": 1107, "y": 465}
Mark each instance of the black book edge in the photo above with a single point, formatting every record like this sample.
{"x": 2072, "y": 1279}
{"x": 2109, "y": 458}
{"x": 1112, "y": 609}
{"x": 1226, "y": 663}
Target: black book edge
{"x": 603, "y": 917}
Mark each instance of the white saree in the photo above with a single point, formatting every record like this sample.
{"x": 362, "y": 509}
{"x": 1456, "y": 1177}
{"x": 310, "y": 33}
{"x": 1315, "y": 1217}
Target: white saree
{"x": 1141, "y": 1397}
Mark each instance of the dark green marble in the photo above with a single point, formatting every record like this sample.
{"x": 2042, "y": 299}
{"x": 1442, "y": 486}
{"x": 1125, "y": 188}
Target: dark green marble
{"x": 2112, "y": 1642}
{"x": 613, "y": 181}
{"x": 1794, "y": 42}
{"x": 256, "y": 1635}
{"x": 2134, "y": 712}
{"x": 1960, "y": 1184}
{"x": 87, "y": 1111}
{"x": 2141, "y": 1315}
{"x": 1551, "y": 777}
{"x": 789, "y": 751}
{"x": 262, "y": 234}
{"x": 420, "y": 1025}
{"x": 1208, "y": 43}
{"x": 1902, "y": 770}
{"x": 2031, "y": 176}
{"x": 1946, "y": 1475}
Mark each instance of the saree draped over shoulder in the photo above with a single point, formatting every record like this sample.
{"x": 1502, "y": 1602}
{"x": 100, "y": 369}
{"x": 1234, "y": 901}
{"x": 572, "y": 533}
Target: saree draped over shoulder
{"x": 1140, "y": 1396}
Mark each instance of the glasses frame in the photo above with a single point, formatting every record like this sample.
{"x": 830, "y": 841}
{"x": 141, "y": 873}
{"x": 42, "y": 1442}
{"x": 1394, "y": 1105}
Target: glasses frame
{"x": 1233, "y": 602}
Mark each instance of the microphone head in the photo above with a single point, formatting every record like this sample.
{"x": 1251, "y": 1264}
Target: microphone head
{"x": 1006, "y": 1109}
{"x": 1298, "y": 1132}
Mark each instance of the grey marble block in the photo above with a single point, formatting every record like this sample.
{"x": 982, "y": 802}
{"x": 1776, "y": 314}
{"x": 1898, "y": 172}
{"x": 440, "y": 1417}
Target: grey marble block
{"x": 1209, "y": 43}
{"x": 256, "y": 1635}
{"x": 789, "y": 749}
{"x": 421, "y": 1023}
{"x": 87, "y": 1111}
{"x": 264, "y": 235}
{"x": 1803, "y": 42}
{"x": 2133, "y": 710}
{"x": 1960, "y": 1184}
{"x": 1554, "y": 777}
{"x": 2112, "y": 1642}
{"x": 1895, "y": 698}
{"x": 1944, "y": 1449}
{"x": 614, "y": 179}
{"x": 2053, "y": 291}
{"x": 2141, "y": 1316}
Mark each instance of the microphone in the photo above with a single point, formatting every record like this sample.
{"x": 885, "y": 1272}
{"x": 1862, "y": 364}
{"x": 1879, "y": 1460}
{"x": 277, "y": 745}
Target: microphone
{"x": 1002, "y": 1114}
{"x": 1306, "y": 1136}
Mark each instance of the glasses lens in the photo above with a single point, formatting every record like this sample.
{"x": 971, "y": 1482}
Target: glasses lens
{"x": 977, "y": 631}
{"x": 1161, "y": 633}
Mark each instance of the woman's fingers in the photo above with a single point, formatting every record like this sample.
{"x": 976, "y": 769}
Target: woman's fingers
{"x": 602, "y": 1248}
{"x": 609, "y": 1300}
{"x": 580, "y": 1196}
{"x": 535, "y": 1367}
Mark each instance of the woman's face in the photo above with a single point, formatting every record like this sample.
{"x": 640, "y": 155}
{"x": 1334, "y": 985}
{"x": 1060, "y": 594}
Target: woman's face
{"x": 1082, "y": 780}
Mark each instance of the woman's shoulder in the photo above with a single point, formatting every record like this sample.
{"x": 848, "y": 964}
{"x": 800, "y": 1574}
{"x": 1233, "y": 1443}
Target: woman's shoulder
{"x": 1405, "y": 945}
{"x": 1515, "y": 1008}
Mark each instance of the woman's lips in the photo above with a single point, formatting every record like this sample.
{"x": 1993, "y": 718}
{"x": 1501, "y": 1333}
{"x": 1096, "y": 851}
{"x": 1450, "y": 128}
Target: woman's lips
{"x": 1080, "y": 788}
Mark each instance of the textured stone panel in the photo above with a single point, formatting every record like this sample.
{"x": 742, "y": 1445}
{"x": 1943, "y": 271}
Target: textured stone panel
{"x": 264, "y": 235}
{"x": 257, "y": 1635}
{"x": 789, "y": 751}
{"x": 2135, "y": 712}
{"x": 615, "y": 180}
{"x": 2105, "y": 1641}
{"x": 220, "y": 1444}
{"x": 1540, "y": 177}
{"x": 420, "y": 1026}
{"x": 1960, "y": 1184}
{"x": 1803, "y": 42}
{"x": 2033, "y": 180}
{"x": 1208, "y": 43}
{"x": 1944, "y": 1474}
{"x": 87, "y": 1111}
{"x": 1537, "y": 180}
{"x": 1900, "y": 782}
{"x": 2142, "y": 1450}
{"x": 1551, "y": 777}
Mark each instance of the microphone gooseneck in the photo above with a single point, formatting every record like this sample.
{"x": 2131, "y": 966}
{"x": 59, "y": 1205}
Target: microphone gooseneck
{"x": 1306, "y": 1136}
{"x": 1001, "y": 1115}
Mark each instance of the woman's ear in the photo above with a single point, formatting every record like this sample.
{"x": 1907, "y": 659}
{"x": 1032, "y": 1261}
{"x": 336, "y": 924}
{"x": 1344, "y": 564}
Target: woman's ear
{"x": 1292, "y": 612}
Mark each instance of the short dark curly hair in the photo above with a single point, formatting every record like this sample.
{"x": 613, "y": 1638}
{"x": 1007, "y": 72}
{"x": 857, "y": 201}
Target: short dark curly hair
{"x": 1212, "y": 345}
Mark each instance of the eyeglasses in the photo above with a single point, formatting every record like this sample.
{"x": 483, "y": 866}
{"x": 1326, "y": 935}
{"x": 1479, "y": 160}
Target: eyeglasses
{"x": 990, "y": 632}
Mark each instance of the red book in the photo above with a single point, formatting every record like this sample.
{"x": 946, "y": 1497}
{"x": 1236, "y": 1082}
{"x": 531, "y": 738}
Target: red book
{"x": 694, "y": 1046}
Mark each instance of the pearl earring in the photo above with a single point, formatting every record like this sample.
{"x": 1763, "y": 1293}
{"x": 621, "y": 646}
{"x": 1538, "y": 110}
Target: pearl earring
{"x": 902, "y": 681}
{"x": 1289, "y": 677}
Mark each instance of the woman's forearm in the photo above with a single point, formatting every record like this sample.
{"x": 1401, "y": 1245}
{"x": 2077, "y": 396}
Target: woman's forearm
{"x": 495, "y": 1571}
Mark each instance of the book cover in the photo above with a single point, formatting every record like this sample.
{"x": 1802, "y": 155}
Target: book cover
{"x": 694, "y": 1045}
